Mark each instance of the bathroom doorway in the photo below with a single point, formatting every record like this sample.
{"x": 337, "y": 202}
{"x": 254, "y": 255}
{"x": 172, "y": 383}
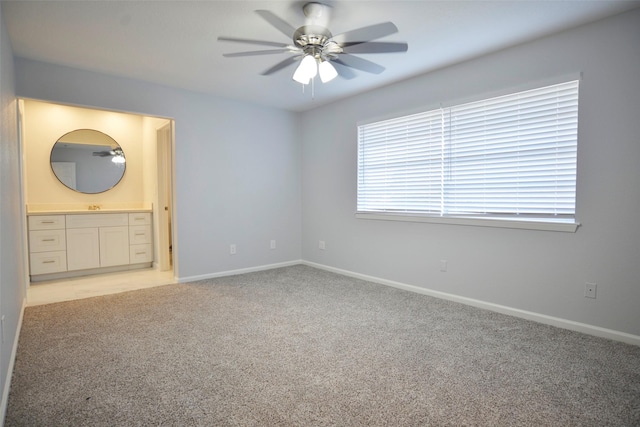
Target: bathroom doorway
{"x": 147, "y": 184}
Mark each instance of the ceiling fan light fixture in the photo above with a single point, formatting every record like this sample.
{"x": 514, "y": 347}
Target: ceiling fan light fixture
{"x": 300, "y": 78}
{"x": 316, "y": 48}
{"x": 117, "y": 156}
{"x": 327, "y": 71}
{"x": 118, "y": 159}
{"x": 307, "y": 70}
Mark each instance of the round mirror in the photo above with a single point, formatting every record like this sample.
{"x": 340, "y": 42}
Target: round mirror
{"x": 87, "y": 161}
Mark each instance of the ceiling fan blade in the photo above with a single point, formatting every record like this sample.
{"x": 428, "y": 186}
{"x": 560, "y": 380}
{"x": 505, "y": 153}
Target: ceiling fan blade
{"x": 366, "y": 34}
{"x": 359, "y": 63}
{"x": 375, "y": 47}
{"x": 279, "y": 24}
{"x": 280, "y": 65}
{"x": 344, "y": 71}
{"x": 255, "y": 53}
{"x": 251, "y": 41}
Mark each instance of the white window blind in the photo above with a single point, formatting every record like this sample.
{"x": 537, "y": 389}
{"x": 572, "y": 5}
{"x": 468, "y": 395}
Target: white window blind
{"x": 509, "y": 156}
{"x": 400, "y": 164}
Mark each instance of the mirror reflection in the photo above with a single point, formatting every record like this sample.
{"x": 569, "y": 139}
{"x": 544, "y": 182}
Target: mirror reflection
{"x": 88, "y": 161}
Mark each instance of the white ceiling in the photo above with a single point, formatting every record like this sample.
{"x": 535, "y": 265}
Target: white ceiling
{"x": 174, "y": 43}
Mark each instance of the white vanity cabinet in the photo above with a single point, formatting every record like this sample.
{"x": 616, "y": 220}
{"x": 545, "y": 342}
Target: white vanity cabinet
{"x": 140, "y": 236}
{"x": 97, "y": 240}
{"x": 47, "y": 244}
{"x": 89, "y": 243}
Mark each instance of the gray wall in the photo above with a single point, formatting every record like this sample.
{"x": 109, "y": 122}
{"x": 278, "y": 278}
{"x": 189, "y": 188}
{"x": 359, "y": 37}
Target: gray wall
{"x": 237, "y": 165}
{"x": 12, "y": 274}
{"x": 539, "y": 271}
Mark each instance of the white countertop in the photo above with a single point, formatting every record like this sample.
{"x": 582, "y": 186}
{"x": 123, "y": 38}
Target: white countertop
{"x": 86, "y": 211}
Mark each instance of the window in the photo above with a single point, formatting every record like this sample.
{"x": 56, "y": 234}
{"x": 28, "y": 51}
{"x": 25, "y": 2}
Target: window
{"x": 509, "y": 157}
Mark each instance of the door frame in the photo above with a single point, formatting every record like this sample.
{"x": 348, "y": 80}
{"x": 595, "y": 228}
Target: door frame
{"x": 165, "y": 177}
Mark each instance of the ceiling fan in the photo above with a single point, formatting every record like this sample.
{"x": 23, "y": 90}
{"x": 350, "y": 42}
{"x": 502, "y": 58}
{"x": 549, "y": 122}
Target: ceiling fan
{"x": 117, "y": 155}
{"x": 320, "y": 52}
{"x": 109, "y": 153}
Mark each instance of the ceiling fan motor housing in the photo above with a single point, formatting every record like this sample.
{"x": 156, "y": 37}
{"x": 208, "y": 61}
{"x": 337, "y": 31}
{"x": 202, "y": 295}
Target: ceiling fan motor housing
{"x": 317, "y": 13}
{"x": 311, "y": 35}
{"x": 314, "y": 40}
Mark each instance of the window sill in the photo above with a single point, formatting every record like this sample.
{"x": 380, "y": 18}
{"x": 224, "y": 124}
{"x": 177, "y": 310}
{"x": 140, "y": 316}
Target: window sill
{"x": 545, "y": 224}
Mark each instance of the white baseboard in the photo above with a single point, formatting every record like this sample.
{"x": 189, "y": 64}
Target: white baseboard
{"x": 14, "y": 352}
{"x": 238, "y": 271}
{"x": 529, "y": 315}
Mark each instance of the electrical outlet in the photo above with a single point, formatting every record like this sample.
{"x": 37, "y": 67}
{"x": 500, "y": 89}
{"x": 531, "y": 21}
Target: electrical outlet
{"x": 590, "y": 290}
{"x": 443, "y": 265}
{"x": 321, "y": 244}
{"x": 273, "y": 244}
{"x": 232, "y": 249}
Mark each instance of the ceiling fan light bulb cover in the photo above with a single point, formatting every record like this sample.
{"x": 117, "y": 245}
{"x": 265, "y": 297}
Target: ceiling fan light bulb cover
{"x": 301, "y": 76}
{"x": 310, "y": 66}
{"x": 307, "y": 70}
{"x": 327, "y": 71}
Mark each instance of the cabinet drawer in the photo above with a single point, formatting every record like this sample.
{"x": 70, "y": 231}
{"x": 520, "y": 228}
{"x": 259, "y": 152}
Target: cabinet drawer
{"x": 46, "y": 222}
{"x": 139, "y": 234}
{"x": 140, "y": 218}
{"x": 97, "y": 220}
{"x": 140, "y": 253}
{"x": 47, "y": 240}
{"x": 48, "y": 262}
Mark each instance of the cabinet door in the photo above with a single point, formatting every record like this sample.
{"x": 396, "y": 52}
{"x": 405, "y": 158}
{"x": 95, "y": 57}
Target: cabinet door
{"x": 114, "y": 246}
{"x": 83, "y": 248}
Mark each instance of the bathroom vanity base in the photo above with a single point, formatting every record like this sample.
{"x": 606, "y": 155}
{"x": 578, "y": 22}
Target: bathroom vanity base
{"x": 82, "y": 244}
{"x": 89, "y": 272}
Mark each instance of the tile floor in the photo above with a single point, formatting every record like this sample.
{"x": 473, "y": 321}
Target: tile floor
{"x": 92, "y": 286}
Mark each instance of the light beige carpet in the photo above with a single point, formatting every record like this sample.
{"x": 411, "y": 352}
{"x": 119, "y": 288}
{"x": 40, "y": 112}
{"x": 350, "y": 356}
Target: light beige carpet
{"x": 304, "y": 347}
